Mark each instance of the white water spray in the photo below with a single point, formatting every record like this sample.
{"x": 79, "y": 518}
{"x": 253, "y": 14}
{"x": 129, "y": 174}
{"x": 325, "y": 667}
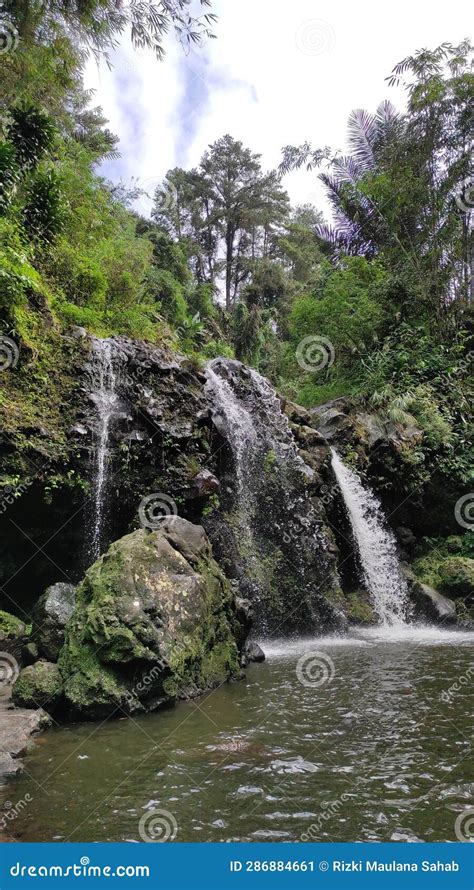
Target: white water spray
{"x": 376, "y": 546}
{"x": 106, "y": 400}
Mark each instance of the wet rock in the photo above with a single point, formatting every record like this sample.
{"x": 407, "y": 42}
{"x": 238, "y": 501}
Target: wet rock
{"x": 50, "y": 616}
{"x": 253, "y": 652}
{"x": 431, "y": 605}
{"x": 39, "y": 686}
{"x": 79, "y": 430}
{"x": 155, "y": 620}
{"x": 360, "y": 611}
{"x": 205, "y": 484}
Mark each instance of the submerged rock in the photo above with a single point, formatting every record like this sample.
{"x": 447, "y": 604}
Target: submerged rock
{"x": 155, "y": 620}
{"x": 50, "y": 616}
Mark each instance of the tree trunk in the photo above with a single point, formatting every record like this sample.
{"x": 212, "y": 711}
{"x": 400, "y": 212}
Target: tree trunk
{"x": 229, "y": 259}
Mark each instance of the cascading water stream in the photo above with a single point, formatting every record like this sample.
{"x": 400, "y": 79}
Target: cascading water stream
{"x": 276, "y": 522}
{"x": 106, "y": 400}
{"x": 376, "y": 547}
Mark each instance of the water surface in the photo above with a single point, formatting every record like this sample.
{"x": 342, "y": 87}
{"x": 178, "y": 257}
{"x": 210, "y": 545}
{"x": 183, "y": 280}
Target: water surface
{"x": 379, "y": 750}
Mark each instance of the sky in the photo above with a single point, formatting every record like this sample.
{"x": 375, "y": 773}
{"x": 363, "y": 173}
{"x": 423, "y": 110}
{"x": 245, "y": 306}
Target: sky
{"x": 277, "y": 73}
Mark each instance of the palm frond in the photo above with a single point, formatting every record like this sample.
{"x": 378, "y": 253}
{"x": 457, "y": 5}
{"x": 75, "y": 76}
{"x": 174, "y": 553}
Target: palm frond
{"x": 361, "y": 134}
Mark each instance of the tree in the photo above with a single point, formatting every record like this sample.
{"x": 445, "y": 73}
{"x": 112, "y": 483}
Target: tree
{"x": 399, "y": 191}
{"x": 97, "y": 24}
{"x": 228, "y": 210}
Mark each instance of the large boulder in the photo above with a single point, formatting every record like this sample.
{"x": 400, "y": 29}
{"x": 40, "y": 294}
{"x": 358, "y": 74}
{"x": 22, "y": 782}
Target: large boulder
{"x": 155, "y": 620}
{"x": 50, "y": 616}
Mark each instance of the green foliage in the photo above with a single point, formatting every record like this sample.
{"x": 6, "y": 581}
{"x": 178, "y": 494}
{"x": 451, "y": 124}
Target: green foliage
{"x": 45, "y": 209}
{"x": 248, "y": 336}
{"x": 345, "y": 307}
{"x": 31, "y": 133}
{"x": 167, "y": 292}
{"x": 18, "y": 278}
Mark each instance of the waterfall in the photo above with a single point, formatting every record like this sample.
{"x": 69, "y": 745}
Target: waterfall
{"x": 105, "y": 398}
{"x": 275, "y": 517}
{"x": 254, "y": 425}
{"x": 376, "y": 546}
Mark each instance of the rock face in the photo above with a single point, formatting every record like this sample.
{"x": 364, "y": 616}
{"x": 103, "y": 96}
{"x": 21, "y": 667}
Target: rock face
{"x": 390, "y": 457}
{"x": 50, "y": 616}
{"x": 270, "y": 532}
{"x": 155, "y": 620}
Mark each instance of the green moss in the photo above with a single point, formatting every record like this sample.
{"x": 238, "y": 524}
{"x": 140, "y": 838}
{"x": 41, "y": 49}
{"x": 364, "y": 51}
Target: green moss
{"x": 457, "y": 576}
{"x": 359, "y": 609}
{"x": 10, "y": 626}
{"x": 111, "y": 643}
{"x": 39, "y": 685}
{"x": 439, "y": 568}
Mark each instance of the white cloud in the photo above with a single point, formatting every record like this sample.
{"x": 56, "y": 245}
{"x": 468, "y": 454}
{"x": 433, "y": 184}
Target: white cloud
{"x": 278, "y": 73}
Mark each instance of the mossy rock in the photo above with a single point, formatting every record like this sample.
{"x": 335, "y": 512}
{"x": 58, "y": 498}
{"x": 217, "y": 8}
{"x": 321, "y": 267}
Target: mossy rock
{"x": 457, "y": 576}
{"x": 39, "y": 686}
{"x": 11, "y": 626}
{"x": 359, "y": 608}
{"x": 12, "y": 634}
{"x": 155, "y": 620}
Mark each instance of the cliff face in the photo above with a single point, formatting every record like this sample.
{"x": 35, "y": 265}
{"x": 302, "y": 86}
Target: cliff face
{"x": 165, "y": 439}
{"x": 255, "y": 473}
